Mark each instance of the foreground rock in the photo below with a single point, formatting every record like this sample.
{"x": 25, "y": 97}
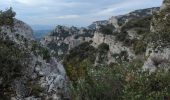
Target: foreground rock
{"x": 42, "y": 77}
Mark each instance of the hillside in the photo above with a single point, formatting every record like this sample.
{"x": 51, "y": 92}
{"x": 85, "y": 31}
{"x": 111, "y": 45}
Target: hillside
{"x": 28, "y": 71}
{"x": 63, "y": 38}
{"x": 126, "y": 57}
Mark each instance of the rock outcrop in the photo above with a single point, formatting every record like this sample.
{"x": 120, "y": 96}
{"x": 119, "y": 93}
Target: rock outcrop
{"x": 158, "y": 48}
{"x": 63, "y": 38}
{"x": 42, "y": 75}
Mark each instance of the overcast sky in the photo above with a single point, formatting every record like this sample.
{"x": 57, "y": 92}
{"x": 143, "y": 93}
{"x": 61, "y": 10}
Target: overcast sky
{"x": 72, "y": 12}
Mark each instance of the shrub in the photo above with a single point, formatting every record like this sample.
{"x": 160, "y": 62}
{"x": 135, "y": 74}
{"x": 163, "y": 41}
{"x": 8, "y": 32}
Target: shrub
{"x": 102, "y": 48}
{"x": 120, "y": 81}
{"x": 78, "y": 59}
{"x": 139, "y": 46}
{"x": 102, "y": 83}
{"x": 107, "y": 30}
{"x": 121, "y": 57}
{"x": 38, "y": 49}
{"x": 148, "y": 86}
{"x": 122, "y": 36}
{"x": 10, "y": 66}
{"x": 34, "y": 88}
{"x": 6, "y": 17}
{"x": 140, "y": 23}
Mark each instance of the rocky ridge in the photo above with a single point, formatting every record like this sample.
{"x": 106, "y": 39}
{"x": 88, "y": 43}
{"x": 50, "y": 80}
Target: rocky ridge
{"x": 42, "y": 75}
{"x": 63, "y": 38}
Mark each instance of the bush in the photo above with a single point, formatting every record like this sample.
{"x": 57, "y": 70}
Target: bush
{"x": 138, "y": 23}
{"x": 148, "y": 86}
{"x": 34, "y": 88}
{"x": 107, "y": 30}
{"x": 10, "y": 66}
{"x": 126, "y": 81}
{"x": 38, "y": 49}
{"x": 122, "y": 36}
{"x": 102, "y": 48}
{"x": 121, "y": 57}
{"x": 77, "y": 60}
{"x": 6, "y": 17}
{"x": 102, "y": 83}
{"x": 139, "y": 46}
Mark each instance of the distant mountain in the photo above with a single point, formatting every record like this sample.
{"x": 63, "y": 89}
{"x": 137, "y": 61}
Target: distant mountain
{"x": 40, "y": 33}
{"x": 42, "y": 27}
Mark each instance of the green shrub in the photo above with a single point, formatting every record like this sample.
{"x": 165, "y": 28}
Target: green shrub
{"x": 6, "y": 17}
{"x": 102, "y": 83}
{"x": 38, "y": 49}
{"x": 139, "y": 46}
{"x": 126, "y": 81}
{"x": 140, "y": 23}
{"x": 35, "y": 89}
{"x": 102, "y": 48}
{"x": 121, "y": 57}
{"x": 78, "y": 59}
{"x": 107, "y": 30}
{"x": 10, "y": 66}
{"x": 148, "y": 86}
{"x": 122, "y": 36}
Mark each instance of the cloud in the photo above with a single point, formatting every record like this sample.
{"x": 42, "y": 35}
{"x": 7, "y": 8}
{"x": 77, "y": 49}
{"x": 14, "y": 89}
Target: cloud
{"x": 126, "y": 5}
{"x": 75, "y": 12}
{"x": 68, "y": 17}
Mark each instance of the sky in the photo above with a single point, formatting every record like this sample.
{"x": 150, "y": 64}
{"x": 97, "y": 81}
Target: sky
{"x": 72, "y": 12}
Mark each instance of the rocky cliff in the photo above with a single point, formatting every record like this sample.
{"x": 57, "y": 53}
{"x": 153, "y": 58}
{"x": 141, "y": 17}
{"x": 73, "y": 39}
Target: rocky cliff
{"x": 106, "y": 60}
{"x": 28, "y": 71}
{"x": 158, "y": 48}
{"x": 63, "y": 38}
{"x": 128, "y": 57}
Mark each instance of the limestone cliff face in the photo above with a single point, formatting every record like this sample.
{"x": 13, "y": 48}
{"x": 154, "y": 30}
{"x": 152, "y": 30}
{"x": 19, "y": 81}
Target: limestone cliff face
{"x": 115, "y": 47}
{"x": 123, "y": 19}
{"x": 161, "y": 20}
{"x": 63, "y": 38}
{"x": 158, "y": 50}
{"x": 97, "y": 24}
{"x": 43, "y": 76}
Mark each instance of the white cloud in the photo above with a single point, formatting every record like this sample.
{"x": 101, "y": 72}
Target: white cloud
{"x": 76, "y": 12}
{"x": 68, "y": 17}
{"x": 126, "y": 5}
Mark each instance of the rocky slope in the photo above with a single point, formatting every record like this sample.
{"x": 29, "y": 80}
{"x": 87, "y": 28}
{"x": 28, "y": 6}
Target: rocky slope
{"x": 106, "y": 60}
{"x": 158, "y": 48}
{"x": 35, "y": 74}
{"x": 127, "y": 58}
{"x": 63, "y": 38}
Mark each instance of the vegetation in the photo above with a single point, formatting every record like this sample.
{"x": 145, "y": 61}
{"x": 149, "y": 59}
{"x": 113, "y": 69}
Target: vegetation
{"x": 161, "y": 25}
{"x": 107, "y": 30}
{"x": 80, "y": 56}
{"x": 10, "y": 66}
{"x": 63, "y": 47}
{"x": 35, "y": 88}
{"x": 7, "y": 17}
{"x": 122, "y": 36}
{"x": 38, "y": 49}
{"x": 102, "y": 48}
{"x": 121, "y": 57}
{"x": 143, "y": 24}
{"x": 139, "y": 46}
{"x": 126, "y": 81}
